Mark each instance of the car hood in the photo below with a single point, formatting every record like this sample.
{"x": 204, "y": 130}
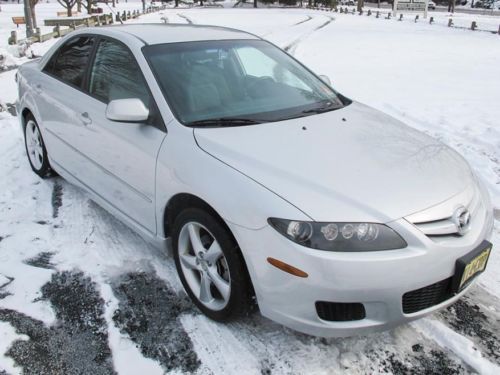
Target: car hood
{"x": 352, "y": 164}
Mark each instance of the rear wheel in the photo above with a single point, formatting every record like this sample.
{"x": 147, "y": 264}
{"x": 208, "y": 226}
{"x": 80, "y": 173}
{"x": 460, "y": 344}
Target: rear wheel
{"x": 35, "y": 148}
{"x": 210, "y": 265}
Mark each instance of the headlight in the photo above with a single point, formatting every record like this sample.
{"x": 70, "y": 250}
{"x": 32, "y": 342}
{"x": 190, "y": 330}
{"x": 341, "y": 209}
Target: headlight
{"x": 339, "y": 236}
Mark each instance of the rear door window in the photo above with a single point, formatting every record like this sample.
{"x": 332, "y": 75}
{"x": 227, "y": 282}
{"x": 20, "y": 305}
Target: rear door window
{"x": 70, "y": 61}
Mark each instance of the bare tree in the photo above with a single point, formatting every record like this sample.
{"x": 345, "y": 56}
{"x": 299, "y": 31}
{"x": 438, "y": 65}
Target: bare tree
{"x": 32, "y": 4}
{"x": 68, "y": 4}
{"x": 451, "y": 6}
{"x": 28, "y": 15}
{"x": 361, "y": 4}
{"x": 255, "y": 3}
{"x": 88, "y": 5}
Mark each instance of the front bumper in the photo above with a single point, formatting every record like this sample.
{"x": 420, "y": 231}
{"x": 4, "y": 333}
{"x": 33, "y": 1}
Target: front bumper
{"x": 378, "y": 280}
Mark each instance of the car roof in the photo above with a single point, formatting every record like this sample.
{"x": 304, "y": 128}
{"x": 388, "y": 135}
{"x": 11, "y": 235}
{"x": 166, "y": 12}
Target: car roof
{"x": 159, "y": 33}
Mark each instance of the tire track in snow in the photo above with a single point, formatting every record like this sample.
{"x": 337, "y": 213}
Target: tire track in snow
{"x": 291, "y": 47}
{"x": 303, "y": 21}
{"x": 188, "y": 20}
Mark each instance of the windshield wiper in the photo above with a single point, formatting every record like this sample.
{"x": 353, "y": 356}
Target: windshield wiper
{"x": 224, "y": 121}
{"x": 328, "y": 107}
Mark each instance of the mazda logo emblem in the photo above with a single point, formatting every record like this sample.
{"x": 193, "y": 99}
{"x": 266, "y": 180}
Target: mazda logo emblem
{"x": 461, "y": 219}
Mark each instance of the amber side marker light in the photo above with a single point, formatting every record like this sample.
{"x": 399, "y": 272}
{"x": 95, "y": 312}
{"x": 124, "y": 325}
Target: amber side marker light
{"x": 287, "y": 268}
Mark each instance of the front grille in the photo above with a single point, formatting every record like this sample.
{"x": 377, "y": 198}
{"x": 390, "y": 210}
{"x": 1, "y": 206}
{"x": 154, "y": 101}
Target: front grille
{"x": 340, "y": 312}
{"x": 437, "y": 222}
{"x": 428, "y": 296}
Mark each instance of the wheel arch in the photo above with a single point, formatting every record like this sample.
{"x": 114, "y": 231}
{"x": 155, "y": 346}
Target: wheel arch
{"x": 24, "y": 115}
{"x": 182, "y": 201}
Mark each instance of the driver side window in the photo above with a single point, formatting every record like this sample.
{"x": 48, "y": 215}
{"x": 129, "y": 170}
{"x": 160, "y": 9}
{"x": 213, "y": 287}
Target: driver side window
{"x": 115, "y": 74}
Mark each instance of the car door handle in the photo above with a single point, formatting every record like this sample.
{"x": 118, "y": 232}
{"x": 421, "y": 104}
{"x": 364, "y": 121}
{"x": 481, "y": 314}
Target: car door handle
{"x": 85, "y": 118}
{"x": 38, "y": 88}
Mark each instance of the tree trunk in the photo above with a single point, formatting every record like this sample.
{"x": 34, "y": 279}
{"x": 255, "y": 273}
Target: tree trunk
{"x": 114, "y": 3}
{"x": 143, "y": 6}
{"x": 28, "y": 18}
{"x": 33, "y": 17}
{"x": 451, "y": 6}
{"x": 70, "y": 11}
{"x": 79, "y": 6}
{"x": 255, "y": 3}
{"x": 176, "y": 3}
{"x": 360, "y": 5}
{"x": 89, "y": 7}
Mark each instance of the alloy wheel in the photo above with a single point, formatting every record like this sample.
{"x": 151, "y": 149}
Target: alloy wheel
{"x": 204, "y": 266}
{"x": 34, "y": 145}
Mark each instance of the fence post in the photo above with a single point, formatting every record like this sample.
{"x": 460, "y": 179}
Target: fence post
{"x": 378, "y": 14}
{"x": 369, "y": 12}
{"x": 38, "y": 34}
{"x": 111, "y": 19}
{"x": 431, "y": 20}
{"x": 473, "y": 26}
{"x": 13, "y": 37}
{"x": 450, "y": 22}
{"x": 400, "y": 17}
{"x": 416, "y": 18}
{"x": 57, "y": 30}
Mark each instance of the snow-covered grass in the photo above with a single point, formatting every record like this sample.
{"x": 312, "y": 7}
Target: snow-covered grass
{"x": 445, "y": 82}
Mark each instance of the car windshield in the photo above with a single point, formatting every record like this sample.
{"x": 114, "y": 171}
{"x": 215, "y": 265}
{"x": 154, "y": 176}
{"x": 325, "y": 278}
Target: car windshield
{"x": 237, "y": 82}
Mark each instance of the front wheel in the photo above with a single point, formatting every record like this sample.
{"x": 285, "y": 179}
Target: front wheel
{"x": 210, "y": 265}
{"x": 35, "y": 148}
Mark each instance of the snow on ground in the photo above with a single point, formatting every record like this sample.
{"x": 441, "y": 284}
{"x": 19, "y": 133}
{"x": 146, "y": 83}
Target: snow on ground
{"x": 73, "y": 277}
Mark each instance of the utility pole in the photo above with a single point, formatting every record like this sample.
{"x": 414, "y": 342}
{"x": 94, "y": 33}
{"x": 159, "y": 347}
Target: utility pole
{"x": 28, "y": 18}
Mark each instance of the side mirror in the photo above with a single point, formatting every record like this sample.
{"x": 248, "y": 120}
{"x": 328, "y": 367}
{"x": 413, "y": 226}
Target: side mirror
{"x": 127, "y": 110}
{"x": 325, "y": 79}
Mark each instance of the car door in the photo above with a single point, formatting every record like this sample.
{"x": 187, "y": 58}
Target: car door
{"x": 59, "y": 96}
{"x": 122, "y": 156}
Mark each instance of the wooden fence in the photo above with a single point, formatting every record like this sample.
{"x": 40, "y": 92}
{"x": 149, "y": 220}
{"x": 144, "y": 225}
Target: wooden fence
{"x": 388, "y": 15}
{"x": 76, "y": 23}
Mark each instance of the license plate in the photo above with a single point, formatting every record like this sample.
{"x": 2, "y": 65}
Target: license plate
{"x": 471, "y": 265}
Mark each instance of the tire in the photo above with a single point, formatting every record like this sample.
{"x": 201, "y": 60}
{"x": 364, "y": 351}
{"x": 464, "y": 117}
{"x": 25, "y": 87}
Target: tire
{"x": 216, "y": 266}
{"x": 35, "y": 148}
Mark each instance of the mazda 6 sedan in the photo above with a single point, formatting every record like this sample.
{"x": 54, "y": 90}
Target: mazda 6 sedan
{"x": 273, "y": 189}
